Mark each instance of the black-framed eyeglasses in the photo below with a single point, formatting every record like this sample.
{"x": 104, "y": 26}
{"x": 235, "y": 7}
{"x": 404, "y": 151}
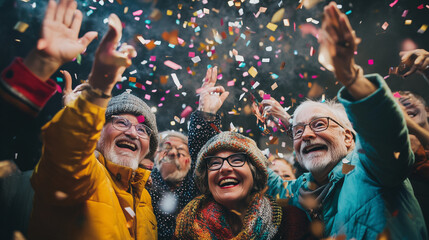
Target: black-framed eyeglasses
{"x": 316, "y": 125}
{"x": 123, "y": 124}
{"x": 234, "y": 160}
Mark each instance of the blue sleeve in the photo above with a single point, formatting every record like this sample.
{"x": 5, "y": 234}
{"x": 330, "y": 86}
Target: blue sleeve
{"x": 383, "y": 149}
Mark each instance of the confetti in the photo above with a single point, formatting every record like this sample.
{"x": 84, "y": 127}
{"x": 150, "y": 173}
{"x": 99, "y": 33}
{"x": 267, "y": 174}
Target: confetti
{"x": 176, "y": 81}
{"x": 253, "y": 72}
{"x": 272, "y": 26}
{"x": 172, "y": 65}
{"x": 393, "y": 3}
{"x": 274, "y": 86}
{"x": 21, "y": 26}
{"x": 385, "y": 25}
{"x": 422, "y": 29}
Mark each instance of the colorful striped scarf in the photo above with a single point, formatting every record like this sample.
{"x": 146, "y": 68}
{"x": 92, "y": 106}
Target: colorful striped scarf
{"x": 204, "y": 218}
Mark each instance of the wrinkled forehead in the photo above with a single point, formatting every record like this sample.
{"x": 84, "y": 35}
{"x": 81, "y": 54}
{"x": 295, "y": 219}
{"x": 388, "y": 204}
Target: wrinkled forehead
{"x": 306, "y": 113}
{"x": 175, "y": 142}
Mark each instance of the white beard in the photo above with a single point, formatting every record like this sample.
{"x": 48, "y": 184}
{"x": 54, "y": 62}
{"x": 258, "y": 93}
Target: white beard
{"x": 125, "y": 159}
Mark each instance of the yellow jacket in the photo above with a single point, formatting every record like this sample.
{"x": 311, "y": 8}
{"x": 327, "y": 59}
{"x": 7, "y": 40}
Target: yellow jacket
{"x": 78, "y": 196}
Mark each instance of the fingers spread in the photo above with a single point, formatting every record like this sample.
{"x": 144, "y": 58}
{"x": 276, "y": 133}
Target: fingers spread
{"x": 76, "y": 22}
{"x": 69, "y": 13}
{"x": 50, "y": 11}
{"x": 88, "y": 38}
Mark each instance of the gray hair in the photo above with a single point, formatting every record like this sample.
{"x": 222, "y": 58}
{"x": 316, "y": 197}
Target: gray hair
{"x": 163, "y": 136}
{"x": 337, "y": 109}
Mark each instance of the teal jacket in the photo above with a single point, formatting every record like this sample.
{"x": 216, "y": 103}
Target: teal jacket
{"x": 376, "y": 195}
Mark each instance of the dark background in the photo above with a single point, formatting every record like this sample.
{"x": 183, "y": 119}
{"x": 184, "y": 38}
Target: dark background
{"x": 290, "y": 46}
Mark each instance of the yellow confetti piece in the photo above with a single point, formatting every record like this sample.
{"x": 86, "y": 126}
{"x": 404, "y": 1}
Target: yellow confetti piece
{"x": 274, "y": 86}
{"x": 169, "y": 12}
{"x": 21, "y": 26}
{"x": 396, "y": 154}
{"x": 408, "y": 22}
{"x": 272, "y": 38}
{"x": 277, "y": 17}
{"x": 423, "y": 28}
{"x": 253, "y": 72}
{"x": 272, "y": 26}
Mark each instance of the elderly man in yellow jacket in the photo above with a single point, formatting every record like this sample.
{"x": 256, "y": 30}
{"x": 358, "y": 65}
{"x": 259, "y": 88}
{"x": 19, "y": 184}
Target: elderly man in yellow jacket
{"x": 87, "y": 183}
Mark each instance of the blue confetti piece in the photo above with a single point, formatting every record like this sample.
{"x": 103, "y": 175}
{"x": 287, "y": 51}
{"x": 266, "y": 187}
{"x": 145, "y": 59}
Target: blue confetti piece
{"x": 59, "y": 79}
{"x": 274, "y": 76}
{"x": 243, "y": 36}
{"x": 295, "y": 52}
{"x": 177, "y": 21}
{"x": 242, "y": 65}
{"x": 209, "y": 66}
{"x": 171, "y": 45}
{"x": 89, "y": 12}
{"x": 147, "y": 21}
{"x": 131, "y": 84}
{"x": 197, "y": 29}
{"x": 348, "y": 12}
{"x": 247, "y": 44}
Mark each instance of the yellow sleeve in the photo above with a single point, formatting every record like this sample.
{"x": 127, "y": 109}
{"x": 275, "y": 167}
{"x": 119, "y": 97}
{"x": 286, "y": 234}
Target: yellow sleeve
{"x": 68, "y": 169}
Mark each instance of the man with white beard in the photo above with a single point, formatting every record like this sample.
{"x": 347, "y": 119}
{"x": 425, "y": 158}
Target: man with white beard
{"x": 173, "y": 184}
{"x": 87, "y": 183}
{"x": 357, "y": 185}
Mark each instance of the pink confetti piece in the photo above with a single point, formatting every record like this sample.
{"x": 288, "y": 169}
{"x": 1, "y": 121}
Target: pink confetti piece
{"x": 404, "y": 14}
{"x": 314, "y": 76}
{"x": 301, "y": 76}
{"x": 186, "y": 112}
{"x": 152, "y": 58}
{"x": 162, "y": 99}
{"x": 167, "y": 92}
{"x": 147, "y": 96}
{"x": 180, "y": 41}
{"x": 172, "y": 65}
{"x": 393, "y": 3}
{"x": 138, "y": 13}
{"x": 420, "y": 7}
{"x": 397, "y": 95}
{"x": 141, "y": 119}
{"x": 59, "y": 89}
{"x": 191, "y": 54}
{"x": 119, "y": 86}
{"x": 160, "y": 105}
{"x": 230, "y": 83}
{"x": 300, "y": 95}
{"x": 385, "y": 25}
{"x": 370, "y": 61}
{"x": 267, "y": 96}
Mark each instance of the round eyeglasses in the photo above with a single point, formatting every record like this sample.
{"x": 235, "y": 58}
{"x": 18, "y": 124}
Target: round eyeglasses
{"x": 123, "y": 124}
{"x": 234, "y": 160}
{"x": 316, "y": 125}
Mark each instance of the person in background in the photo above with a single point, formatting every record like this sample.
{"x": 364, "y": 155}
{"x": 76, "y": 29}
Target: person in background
{"x": 283, "y": 168}
{"x": 25, "y": 87}
{"x": 357, "y": 185}
{"x": 231, "y": 174}
{"x": 173, "y": 185}
{"x": 87, "y": 183}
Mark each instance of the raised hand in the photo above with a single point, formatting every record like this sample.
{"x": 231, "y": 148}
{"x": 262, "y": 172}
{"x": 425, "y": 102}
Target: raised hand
{"x": 338, "y": 37}
{"x": 416, "y": 60}
{"x": 211, "y": 96}
{"x": 273, "y": 108}
{"x": 59, "y": 42}
{"x": 109, "y": 63}
{"x": 70, "y": 94}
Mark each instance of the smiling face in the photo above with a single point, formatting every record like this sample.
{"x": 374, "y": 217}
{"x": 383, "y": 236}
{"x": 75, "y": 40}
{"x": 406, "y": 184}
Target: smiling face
{"x": 319, "y": 152}
{"x": 230, "y": 186}
{"x": 415, "y": 109}
{"x": 284, "y": 170}
{"x": 124, "y": 148}
{"x": 173, "y": 159}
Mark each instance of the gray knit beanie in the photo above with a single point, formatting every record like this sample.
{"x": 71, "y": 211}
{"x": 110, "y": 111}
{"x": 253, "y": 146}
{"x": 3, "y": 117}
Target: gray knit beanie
{"x": 234, "y": 142}
{"x": 128, "y": 103}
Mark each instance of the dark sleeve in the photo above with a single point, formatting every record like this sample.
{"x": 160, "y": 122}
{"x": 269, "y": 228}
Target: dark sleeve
{"x": 200, "y": 131}
{"x": 22, "y": 96}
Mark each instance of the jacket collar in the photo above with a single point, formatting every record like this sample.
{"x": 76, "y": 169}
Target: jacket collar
{"x": 124, "y": 177}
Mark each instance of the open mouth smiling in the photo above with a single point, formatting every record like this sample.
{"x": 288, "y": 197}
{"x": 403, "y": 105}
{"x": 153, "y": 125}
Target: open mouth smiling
{"x": 228, "y": 182}
{"x": 314, "y": 148}
{"x": 126, "y": 144}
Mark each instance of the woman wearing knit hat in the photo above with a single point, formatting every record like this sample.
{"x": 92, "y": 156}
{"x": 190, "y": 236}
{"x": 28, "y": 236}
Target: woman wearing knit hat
{"x": 231, "y": 175}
